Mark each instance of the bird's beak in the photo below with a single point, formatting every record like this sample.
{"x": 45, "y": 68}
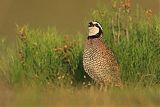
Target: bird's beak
{"x": 90, "y": 24}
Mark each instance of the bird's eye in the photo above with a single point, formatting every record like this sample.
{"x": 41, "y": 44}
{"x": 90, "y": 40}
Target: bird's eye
{"x": 96, "y": 24}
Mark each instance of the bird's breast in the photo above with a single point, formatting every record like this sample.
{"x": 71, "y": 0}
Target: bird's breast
{"x": 93, "y": 53}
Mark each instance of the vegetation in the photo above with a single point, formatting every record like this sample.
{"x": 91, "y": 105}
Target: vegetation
{"x": 49, "y": 59}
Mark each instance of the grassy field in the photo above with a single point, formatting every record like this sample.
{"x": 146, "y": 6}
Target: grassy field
{"x": 38, "y": 97}
{"x": 45, "y": 68}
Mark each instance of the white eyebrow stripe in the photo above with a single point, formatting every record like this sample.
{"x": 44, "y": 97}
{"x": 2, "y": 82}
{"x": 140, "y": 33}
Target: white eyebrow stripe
{"x": 98, "y": 25}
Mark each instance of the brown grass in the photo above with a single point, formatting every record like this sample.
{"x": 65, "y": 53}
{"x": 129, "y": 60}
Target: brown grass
{"x": 51, "y": 97}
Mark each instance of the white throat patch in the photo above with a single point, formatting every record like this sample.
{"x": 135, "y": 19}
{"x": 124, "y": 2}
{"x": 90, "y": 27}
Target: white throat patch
{"x": 93, "y": 30}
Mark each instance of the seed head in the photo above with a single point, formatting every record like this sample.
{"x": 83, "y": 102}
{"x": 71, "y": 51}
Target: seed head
{"x": 126, "y": 4}
{"x": 22, "y": 33}
{"x": 148, "y": 13}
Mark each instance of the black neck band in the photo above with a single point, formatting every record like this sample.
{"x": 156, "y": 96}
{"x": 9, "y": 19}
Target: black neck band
{"x": 95, "y": 36}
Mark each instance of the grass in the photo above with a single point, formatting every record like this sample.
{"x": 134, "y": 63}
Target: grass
{"x": 36, "y": 97}
{"x": 53, "y": 63}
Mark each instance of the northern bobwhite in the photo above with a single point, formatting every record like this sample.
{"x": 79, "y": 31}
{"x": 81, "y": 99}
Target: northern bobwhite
{"x": 98, "y": 60}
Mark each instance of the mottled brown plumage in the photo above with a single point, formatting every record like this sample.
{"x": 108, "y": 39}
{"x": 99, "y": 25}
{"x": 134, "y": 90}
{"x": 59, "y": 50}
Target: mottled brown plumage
{"x": 100, "y": 63}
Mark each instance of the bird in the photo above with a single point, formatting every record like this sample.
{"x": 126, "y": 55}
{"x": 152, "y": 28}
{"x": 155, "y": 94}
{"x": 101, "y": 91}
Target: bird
{"x": 99, "y": 61}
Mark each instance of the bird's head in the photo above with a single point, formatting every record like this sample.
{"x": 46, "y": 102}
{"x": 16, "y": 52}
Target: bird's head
{"x": 95, "y": 29}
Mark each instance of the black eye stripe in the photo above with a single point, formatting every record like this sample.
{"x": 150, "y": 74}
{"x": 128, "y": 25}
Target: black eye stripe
{"x": 96, "y": 25}
{"x": 90, "y": 23}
